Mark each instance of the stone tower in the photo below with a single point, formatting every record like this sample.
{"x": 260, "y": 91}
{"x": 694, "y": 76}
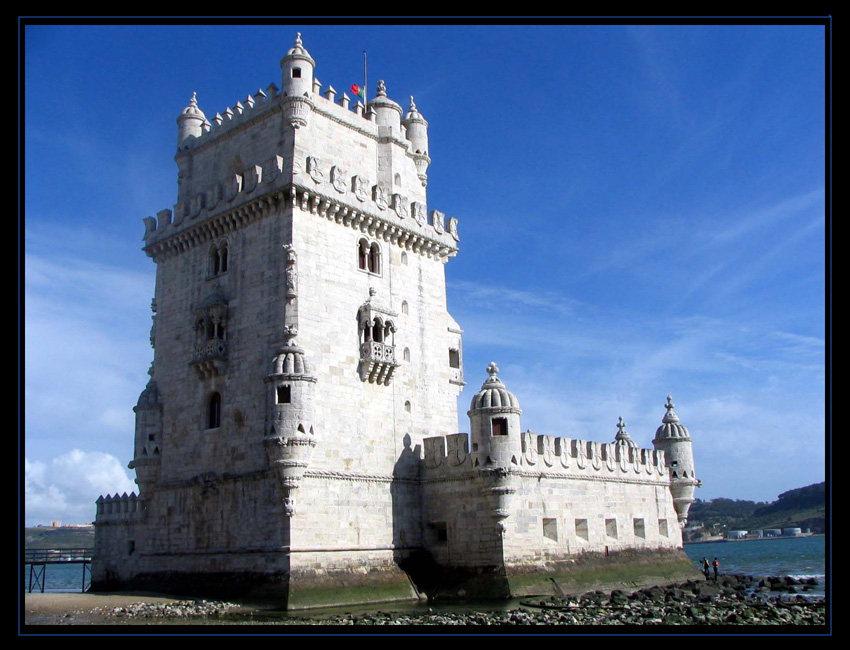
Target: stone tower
{"x": 299, "y": 267}
{"x": 295, "y": 438}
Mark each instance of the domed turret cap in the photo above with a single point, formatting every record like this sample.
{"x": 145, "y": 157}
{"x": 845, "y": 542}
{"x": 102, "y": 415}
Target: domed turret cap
{"x": 382, "y": 101}
{"x": 622, "y": 437}
{"x": 298, "y": 51}
{"x": 149, "y": 397}
{"x": 670, "y": 427}
{"x": 291, "y": 360}
{"x": 413, "y": 114}
{"x": 493, "y": 394}
{"x": 193, "y": 110}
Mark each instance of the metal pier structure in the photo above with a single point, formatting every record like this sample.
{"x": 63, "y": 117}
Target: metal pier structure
{"x": 38, "y": 559}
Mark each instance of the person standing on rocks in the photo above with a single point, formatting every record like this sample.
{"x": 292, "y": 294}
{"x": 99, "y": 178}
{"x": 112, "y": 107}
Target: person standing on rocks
{"x": 716, "y": 566}
{"x": 705, "y": 567}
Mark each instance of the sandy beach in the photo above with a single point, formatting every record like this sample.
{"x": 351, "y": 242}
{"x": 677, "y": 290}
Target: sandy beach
{"x": 90, "y": 609}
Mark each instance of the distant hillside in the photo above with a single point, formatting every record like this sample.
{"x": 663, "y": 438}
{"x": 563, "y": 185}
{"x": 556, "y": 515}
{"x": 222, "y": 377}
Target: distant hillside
{"x": 63, "y": 537}
{"x": 799, "y": 508}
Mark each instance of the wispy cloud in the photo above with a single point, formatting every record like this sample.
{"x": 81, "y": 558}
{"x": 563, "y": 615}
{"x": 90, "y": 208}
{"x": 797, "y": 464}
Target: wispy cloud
{"x": 66, "y": 487}
{"x": 86, "y": 329}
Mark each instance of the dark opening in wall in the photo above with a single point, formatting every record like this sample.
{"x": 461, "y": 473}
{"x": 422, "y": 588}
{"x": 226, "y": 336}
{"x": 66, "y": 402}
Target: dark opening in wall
{"x": 500, "y": 426}
{"x": 284, "y": 394}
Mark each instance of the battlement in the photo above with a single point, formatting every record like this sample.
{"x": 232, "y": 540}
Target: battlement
{"x": 358, "y": 116}
{"x": 241, "y": 199}
{"x": 118, "y": 508}
{"x": 552, "y": 455}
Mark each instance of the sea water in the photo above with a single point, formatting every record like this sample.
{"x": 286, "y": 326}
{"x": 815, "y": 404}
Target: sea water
{"x": 59, "y": 577}
{"x": 798, "y": 557}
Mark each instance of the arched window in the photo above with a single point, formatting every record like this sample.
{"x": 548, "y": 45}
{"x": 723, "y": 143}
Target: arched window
{"x": 363, "y": 255}
{"x": 404, "y": 308}
{"x": 407, "y": 354}
{"x": 218, "y": 259}
{"x": 378, "y": 331}
{"x": 374, "y": 258}
{"x": 214, "y": 411}
{"x": 222, "y": 257}
{"x": 369, "y": 256}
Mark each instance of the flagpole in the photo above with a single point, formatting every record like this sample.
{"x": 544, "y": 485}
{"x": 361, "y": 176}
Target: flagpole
{"x": 365, "y": 81}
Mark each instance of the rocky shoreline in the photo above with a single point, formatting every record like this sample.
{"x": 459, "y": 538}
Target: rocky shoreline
{"x": 731, "y": 600}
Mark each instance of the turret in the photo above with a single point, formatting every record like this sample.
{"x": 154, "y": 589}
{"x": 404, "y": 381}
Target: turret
{"x": 495, "y": 433}
{"x": 290, "y": 403}
{"x": 147, "y": 460}
{"x": 297, "y": 84}
{"x": 673, "y": 438}
{"x": 417, "y": 134}
{"x": 387, "y": 112}
{"x": 190, "y": 123}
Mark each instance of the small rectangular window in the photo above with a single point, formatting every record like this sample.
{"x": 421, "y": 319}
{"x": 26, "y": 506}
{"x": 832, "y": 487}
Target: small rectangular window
{"x": 611, "y": 528}
{"x": 550, "y": 529}
{"x": 442, "y": 531}
{"x": 640, "y": 528}
{"x": 581, "y": 530}
{"x": 284, "y": 395}
{"x": 500, "y": 426}
{"x": 662, "y": 527}
{"x": 296, "y": 73}
{"x": 454, "y": 359}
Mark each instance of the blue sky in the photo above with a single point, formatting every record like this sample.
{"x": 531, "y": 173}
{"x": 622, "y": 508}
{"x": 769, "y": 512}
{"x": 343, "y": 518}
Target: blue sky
{"x": 642, "y": 213}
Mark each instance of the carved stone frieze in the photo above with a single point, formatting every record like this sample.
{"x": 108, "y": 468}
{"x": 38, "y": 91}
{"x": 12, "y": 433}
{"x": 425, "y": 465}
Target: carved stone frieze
{"x": 437, "y": 218}
{"x": 400, "y": 204}
{"x": 338, "y": 177}
{"x": 358, "y": 186}
{"x": 420, "y": 214}
{"x": 314, "y": 170}
{"x": 380, "y": 195}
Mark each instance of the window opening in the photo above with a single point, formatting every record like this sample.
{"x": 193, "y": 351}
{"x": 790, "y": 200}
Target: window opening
{"x": 500, "y": 426}
{"x": 214, "y": 411}
{"x": 284, "y": 394}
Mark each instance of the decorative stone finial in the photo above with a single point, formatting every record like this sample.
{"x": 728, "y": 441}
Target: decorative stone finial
{"x": 382, "y": 89}
{"x": 670, "y": 416}
{"x": 412, "y": 105}
{"x": 622, "y": 437}
{"x": 492, "y": 369}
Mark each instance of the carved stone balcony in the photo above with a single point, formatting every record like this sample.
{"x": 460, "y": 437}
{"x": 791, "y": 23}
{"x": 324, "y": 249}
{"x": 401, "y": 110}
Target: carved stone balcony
{"x": 377, "y": 362}
{"x": 210, "y": 358}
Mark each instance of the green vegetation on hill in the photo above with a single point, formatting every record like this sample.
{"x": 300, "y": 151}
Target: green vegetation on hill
{"x": 799, "y": 508}
{"x": 51, "y": 538}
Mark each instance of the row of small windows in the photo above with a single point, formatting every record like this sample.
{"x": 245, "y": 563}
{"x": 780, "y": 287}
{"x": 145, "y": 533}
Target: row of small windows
{"x": 369, "y": 257}
{"x": 550, "y": 529}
